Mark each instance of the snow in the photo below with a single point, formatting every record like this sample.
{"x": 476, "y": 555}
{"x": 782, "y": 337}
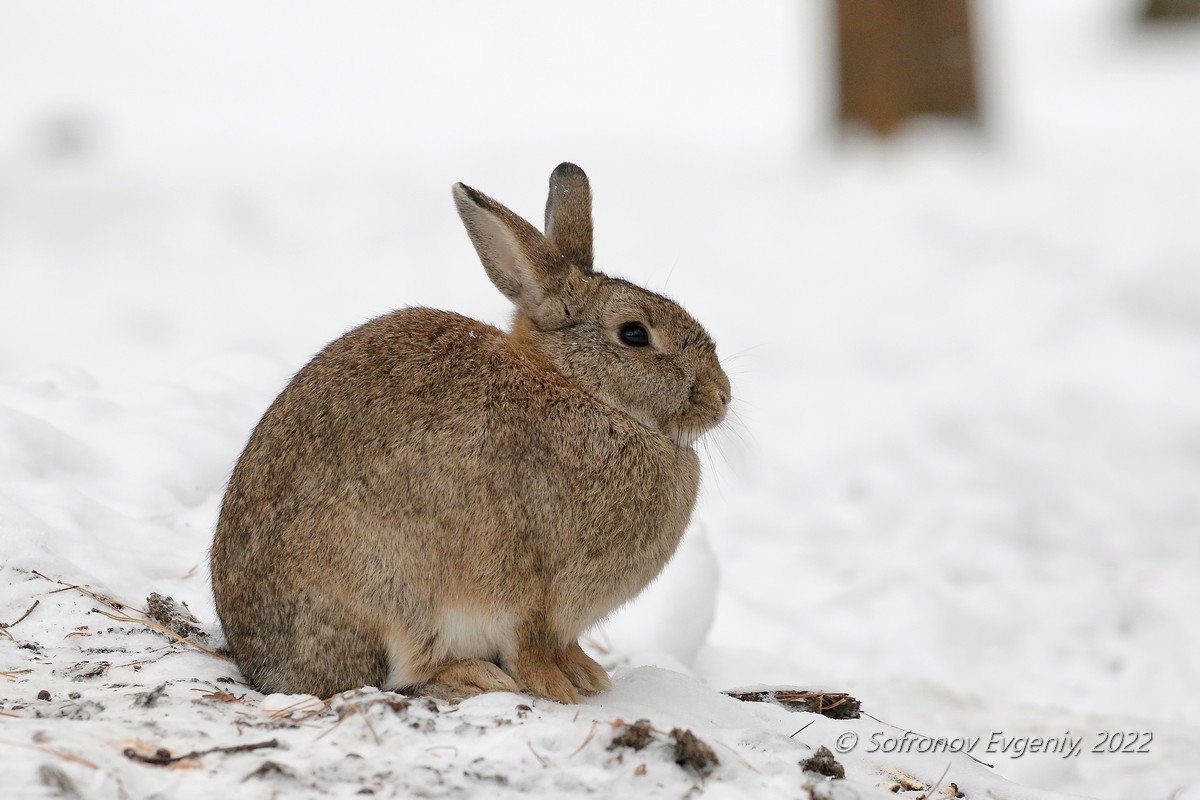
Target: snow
{"x": 961, "y": 481}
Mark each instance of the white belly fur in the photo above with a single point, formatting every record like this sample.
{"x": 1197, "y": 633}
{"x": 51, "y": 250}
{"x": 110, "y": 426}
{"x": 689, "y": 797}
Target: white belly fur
{"x": 462, "y": 634}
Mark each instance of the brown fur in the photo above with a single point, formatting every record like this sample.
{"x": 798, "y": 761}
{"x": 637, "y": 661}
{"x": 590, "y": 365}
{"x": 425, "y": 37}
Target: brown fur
{"x": 432, "y": 501}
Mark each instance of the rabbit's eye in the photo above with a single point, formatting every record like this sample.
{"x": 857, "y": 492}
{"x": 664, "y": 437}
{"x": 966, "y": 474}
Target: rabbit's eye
{"x": 634, "y": 334}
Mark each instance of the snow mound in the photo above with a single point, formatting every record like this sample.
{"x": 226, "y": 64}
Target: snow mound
{"x": 101, "y": 704}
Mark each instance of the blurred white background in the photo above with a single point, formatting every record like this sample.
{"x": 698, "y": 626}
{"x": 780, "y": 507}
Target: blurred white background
{"x": 962, "y": 481}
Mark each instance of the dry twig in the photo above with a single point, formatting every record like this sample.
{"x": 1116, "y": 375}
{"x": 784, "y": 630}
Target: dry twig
{"x": 163, "y": 757}
{"x": 28, "y": 611}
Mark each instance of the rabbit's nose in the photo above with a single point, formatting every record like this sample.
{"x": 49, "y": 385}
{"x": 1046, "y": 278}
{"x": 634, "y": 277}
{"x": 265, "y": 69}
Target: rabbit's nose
{"x": 724, "y": 390}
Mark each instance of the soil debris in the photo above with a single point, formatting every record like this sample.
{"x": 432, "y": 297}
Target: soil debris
{"x": 79, "y": 711}
{"x": 822, "y": 762}
{"x": 174, "y": 616}
{"x": 86, "y": 670}
{"x": 835, "y": 705}
{"x": 634, "y": 736}
{"x": 57, "y": 781}
{"x": 691, "y": 753}
{"x": 150, "y": 698}
{"x": 268, "y": 769}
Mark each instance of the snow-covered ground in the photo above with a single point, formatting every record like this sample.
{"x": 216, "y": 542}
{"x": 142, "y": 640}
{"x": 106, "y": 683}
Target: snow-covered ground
{"x": 963, "y": 484}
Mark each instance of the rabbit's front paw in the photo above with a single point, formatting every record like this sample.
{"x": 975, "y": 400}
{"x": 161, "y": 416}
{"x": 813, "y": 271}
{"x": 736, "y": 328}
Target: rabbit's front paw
{"x": 582, "y": 670}
{"x": 548, "y": 681}
{"x": 542, "y": 677}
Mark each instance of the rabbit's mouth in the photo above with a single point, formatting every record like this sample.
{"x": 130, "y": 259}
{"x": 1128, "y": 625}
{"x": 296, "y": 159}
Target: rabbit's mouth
{"x": 706, "y": 409}
{"x": 688, "y": 430}
{"x": 703, "y": 410}
{"x": 686, "y": 437}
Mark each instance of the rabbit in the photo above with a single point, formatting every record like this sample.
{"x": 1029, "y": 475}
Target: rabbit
{"x": 437, "y": 506}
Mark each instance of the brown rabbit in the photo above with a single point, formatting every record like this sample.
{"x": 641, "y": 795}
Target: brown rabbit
{"x": 436, "y": 504}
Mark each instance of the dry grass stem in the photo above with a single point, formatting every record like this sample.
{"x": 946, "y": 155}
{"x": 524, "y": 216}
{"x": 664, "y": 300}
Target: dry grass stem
{"x": 221, "y": 696}
{"x": 739, "y": 757}
{"x": 371, "y": 728}
{"x": 336, "y": 724}
{"x": 930, "y": 738}
{"x": 64, "y": 755}
{"x": 149, "y": 623}
{"x": 117, "y": 605}
{"x": 591, "y": 732}
{"x": 806, "y": 727}
{"x": 108, "y": 601}
{"x": 938, "y": 782}
{"x": 287, "y": 711}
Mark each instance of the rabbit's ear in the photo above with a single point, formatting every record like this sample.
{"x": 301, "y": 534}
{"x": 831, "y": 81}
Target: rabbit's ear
{"x": 569, "y": 214}
{"x": 520, "y": 261}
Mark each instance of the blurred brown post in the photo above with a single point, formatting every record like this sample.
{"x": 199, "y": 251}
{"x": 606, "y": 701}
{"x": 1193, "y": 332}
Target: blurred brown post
{"x": 1171, "y": 11}
{"x": 904, "y": 58}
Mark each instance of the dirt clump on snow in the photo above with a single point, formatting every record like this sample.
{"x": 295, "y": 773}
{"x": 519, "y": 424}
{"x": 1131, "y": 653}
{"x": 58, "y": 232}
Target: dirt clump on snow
{"x": 634, "y": 736}
{"x": 268, "y": 769}
{"x": 688, "y": 750}
{"x": 822, "y": 762}
{"x": 174, "y": 616}
{"x": 86, "y": 670}
{"x": 58, "y": 781}
{"x": 149, "y": 699}
{"x": 691, "y": 753}
{"x": 835, "y": 705}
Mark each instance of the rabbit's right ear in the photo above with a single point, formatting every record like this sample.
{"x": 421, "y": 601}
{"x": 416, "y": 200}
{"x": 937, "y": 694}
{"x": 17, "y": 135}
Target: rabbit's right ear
{"x": 521, "y": 262}
{"x": 569, "y": 214}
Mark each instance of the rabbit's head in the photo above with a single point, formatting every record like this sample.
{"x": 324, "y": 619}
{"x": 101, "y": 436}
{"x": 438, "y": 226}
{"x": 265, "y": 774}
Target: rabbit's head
{"x": 630, "y": 348}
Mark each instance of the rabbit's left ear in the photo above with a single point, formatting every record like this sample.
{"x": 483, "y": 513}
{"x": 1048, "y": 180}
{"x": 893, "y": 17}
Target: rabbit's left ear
{"x": 521, "y": 262}
{"x": 569, "y": 214}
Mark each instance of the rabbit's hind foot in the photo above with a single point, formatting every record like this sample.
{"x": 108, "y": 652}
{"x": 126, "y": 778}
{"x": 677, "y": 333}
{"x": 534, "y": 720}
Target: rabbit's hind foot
{"x": 459, "y": 680}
